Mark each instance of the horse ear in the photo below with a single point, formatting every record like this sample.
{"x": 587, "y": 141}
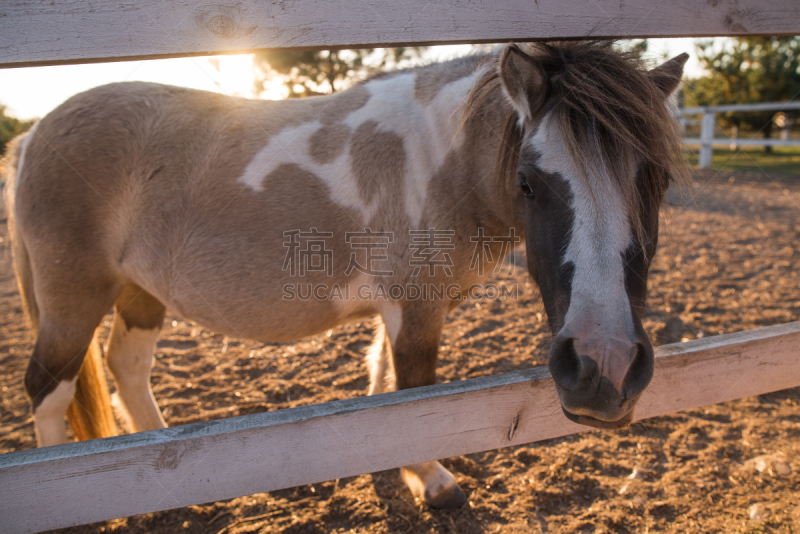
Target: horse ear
{"x": 524, "y": 81}
{"x": 667, "y": 76}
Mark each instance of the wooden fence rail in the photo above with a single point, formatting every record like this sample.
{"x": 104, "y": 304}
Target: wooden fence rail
{"x": 90, "y": 481}
{"x": 75, "y": 31}
{"x": 84, "y": 482}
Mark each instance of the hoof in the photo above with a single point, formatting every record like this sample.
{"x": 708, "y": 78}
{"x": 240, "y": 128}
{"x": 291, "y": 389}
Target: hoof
{"x": 434, "y": 484}
{"x": 449, "y": 498}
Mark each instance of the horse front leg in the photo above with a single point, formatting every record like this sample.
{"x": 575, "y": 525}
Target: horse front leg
{"x": 414, "y": 332}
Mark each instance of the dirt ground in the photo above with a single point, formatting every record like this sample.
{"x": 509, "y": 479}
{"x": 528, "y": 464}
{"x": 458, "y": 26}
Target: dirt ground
{"x": 727, "y": 262}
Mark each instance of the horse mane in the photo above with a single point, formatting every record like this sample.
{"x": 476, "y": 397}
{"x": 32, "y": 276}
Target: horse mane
{"x": 606, "y": 106}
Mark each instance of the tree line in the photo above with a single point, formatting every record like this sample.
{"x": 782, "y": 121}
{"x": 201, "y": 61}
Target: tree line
{"x": 10, "y": 127}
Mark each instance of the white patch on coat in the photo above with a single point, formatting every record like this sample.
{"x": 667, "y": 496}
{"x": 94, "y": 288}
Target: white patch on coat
{"x": 130, "y": 359}
{"x": 599, "y": 237}
{"x": 22, "y": 151}
{"x": 379, "y": 363}
{"x": 291, "y": 145}
{"x": 428, "y": 133}
{"x": 49, "y": 417}
{"x": 392, "y": 315}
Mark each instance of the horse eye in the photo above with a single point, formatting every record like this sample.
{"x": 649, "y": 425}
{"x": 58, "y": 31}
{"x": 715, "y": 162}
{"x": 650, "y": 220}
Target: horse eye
{"x": 526, "y": 188}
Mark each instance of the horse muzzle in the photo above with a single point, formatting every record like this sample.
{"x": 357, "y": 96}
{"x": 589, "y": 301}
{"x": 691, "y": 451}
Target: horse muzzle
{"x": 600, "y": 378}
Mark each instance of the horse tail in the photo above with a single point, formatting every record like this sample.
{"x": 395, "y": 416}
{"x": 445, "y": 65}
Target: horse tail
{"x": 22, "y": 268}
{"x": 89, "y": 413}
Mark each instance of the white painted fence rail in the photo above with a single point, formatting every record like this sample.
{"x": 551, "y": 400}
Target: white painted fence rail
{"x": 33, "y": 32}
{"x": 90, "y": 481}
{"x": 78, "y": 483}
{"x": 708, "y": 115}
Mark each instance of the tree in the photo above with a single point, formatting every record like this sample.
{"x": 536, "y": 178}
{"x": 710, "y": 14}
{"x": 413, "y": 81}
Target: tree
{"x": 316, "y": 72}
{"x": 10, "y": 128}
{"x": 745, "y": 70}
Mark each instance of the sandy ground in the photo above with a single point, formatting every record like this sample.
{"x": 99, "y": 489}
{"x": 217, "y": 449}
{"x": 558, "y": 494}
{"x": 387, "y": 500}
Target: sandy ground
{"x": 727, "y": 262}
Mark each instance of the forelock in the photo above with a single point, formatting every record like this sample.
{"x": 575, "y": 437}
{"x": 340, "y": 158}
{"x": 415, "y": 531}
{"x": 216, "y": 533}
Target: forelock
{"x": 608, "y": 111}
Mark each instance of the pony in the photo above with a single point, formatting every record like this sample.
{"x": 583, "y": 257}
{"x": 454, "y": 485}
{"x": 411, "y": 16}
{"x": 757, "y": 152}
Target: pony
{"x": 279, "y": 220}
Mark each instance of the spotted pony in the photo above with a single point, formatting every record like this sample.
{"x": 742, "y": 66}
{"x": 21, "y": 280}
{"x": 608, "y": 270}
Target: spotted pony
{"x": 142, "y": 197}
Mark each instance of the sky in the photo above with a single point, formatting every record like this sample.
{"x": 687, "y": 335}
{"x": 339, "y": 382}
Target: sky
{"x": 31, "y": 92}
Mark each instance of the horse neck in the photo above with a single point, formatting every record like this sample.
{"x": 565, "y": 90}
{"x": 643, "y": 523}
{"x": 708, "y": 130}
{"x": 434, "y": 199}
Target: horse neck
{"x": 465, "y": 185}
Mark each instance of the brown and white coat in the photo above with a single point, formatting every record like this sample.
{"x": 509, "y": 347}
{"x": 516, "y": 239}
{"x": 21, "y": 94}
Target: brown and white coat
{"x": 144, "y": 197}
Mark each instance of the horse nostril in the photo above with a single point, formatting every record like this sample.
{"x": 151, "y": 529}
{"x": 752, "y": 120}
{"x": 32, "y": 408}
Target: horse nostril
{"x": 639, "y": 373}
{"x": 568, "y": 369}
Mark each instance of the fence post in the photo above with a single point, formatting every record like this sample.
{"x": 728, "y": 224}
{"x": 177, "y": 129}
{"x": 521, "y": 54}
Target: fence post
{"x": 706, "y": 138}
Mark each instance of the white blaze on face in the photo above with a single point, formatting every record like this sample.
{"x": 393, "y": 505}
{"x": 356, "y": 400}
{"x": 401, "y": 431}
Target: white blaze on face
{"x": 600, "y": 235}
{"x": 428, "y": 133}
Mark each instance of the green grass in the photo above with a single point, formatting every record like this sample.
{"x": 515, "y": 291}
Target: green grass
{"x": 782, "y": 160}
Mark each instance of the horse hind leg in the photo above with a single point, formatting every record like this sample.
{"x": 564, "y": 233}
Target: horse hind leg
{"x": 130, "y": 356}
{"x": 65, "y": 374}
{"x": 49, "y": 425}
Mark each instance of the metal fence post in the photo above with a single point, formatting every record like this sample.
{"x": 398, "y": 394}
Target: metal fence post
{"x": 707, "y": 138}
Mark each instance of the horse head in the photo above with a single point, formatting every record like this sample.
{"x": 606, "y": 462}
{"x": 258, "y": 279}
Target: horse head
{"x": 592, "y": 144}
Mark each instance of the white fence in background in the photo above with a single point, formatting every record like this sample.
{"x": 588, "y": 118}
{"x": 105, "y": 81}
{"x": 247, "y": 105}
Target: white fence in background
{"x": 708, "y": 116}
{"x": 78, "y": 483}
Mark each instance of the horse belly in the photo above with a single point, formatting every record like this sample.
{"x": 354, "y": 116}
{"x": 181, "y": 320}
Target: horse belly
{"x": 258, "y": 314}
{"x": 252, "y": 281}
